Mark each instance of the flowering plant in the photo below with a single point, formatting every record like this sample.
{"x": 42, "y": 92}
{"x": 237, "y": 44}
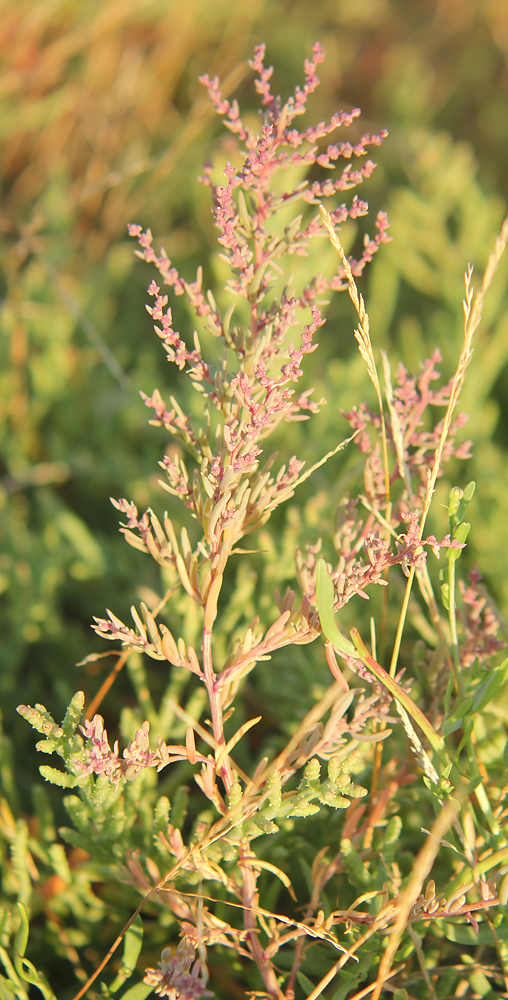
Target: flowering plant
{"x": 246, "y": 377}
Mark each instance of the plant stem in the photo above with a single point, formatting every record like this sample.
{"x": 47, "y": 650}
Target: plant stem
{"x": 452, "y": 619}
{"x": 215, "y": 708}
{"x": 249, "y": 896}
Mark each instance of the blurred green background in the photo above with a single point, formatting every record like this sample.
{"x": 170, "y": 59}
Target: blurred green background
{"x": 103, "y": 122}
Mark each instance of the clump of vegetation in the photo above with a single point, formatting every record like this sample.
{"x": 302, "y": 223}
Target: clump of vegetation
{"x": 350, "y": 833}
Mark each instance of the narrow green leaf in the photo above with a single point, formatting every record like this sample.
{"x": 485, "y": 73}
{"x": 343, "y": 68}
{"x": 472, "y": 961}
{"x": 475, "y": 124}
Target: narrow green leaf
{"x": 74, "y": 713}
{"x": 324, "y": 599}
{"x": 456, "y": 719}
{"x": 137, "y": 992}
{"x": 488, "y": 690}
{"x": 132, "y": 948}
{"x": 57, "y": 777}
{"x": 305, "y": 983}
{"x": 351, "y": 981}
{"x": 25, "y": 969}
{"x": 480, "y": 868}
{"x": 445, "y": 595}
{"x": 31, "y": 975}
{"x": 465, "y": 500}
{"x": 460, "y": 534}
{"x": 354, "y": 865}
{"x": 12, "y": 986}
{"x": 21, "y": 939}
{"x": 45, "y": 746}
{"x": 398, "y": 693}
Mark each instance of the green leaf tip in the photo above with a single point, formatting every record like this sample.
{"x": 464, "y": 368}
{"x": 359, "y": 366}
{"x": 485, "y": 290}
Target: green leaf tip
{"x": 325, "y": 599}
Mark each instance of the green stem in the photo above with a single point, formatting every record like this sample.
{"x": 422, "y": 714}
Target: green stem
{"x": 481, "y": 794}
{"x": 452, "y": 619}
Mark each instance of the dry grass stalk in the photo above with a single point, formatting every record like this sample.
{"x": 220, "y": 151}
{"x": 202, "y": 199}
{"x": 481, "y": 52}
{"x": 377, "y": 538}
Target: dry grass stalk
{"x": 472, "y": 319}
{"x": 362, "y": 333}
{"x": 421, "y": 868}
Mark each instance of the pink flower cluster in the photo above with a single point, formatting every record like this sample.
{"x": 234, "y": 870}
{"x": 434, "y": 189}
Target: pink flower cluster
{"x": 412, "y": 433}
{"x": 480, "y": 623}
{"x": 179, "y": 976}
{"x": 275, "y": 149}
{"x": 99, "y": 758}
{"x": 253, "y": 393}
{"x": 365, "y": 556}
